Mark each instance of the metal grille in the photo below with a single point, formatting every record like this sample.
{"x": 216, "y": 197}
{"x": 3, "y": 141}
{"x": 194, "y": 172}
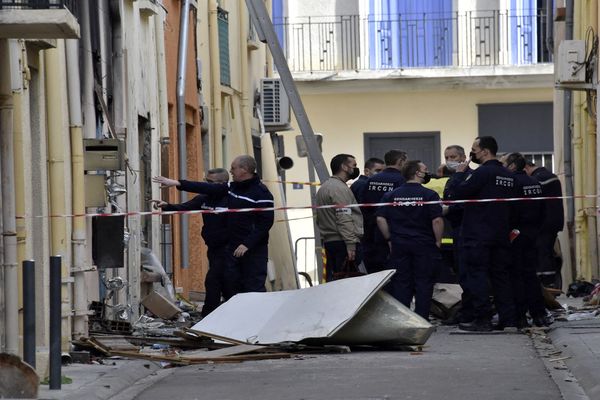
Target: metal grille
{"x": 472, "y": 38}
{"x": 39, "y": 4}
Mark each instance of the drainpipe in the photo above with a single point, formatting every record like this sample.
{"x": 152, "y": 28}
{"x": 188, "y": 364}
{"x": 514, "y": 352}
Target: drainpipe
{"x": 591, "y": 160}
{"x": 550, "y": 27}
{"x": 161, "y": 63}
{"x": 55, "y": 98}
{"x": 9, "y": 227}
{"x": 245, "y": 89}
{"x": 215, "y": 72}
{"x": 87, "y": 77}
{"x": 78, "y": 234}
{"x": 181, "y": 131}
{"x": 568, "y": 143}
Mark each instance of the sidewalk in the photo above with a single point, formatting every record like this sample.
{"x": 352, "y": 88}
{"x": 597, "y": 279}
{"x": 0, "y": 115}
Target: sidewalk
{"x": 99, "y": 382}
{"x": 580, "y": 341}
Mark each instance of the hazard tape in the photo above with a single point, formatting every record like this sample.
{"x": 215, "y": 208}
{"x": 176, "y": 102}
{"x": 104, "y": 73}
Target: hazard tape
{"x": 329, "y": 206}
{"x": 295, "y": 182}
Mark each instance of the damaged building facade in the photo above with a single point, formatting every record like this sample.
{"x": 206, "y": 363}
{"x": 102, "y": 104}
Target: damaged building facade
{"x": 96, "y": 98}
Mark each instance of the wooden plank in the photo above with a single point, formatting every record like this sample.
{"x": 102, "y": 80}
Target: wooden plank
{"x": 217, "y": 337}
{"x": 227, "y": 351}
{"x": 239, "y": 358}
{"x": 153, "y": 357}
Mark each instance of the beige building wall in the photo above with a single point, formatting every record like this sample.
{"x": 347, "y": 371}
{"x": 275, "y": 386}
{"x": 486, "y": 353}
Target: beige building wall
{"x": 343, "y": 118}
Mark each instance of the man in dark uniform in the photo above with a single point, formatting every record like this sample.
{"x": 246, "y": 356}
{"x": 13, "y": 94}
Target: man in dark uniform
{"x": 214, "y": 233}
{"x": 415, "y": 233}
{"x": 554, "y": 220}
{"x": 373, "y": 166}
{"x": 527, "y": 221}
{"x": 455, "y": 156}
{"x": 375, "y": 249}
{"x": 485, "y": 234}
{"x": 248, "y": 232}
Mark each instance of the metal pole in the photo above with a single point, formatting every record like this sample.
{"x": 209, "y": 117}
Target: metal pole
{"x": 266, "y": 32}
{"x": 313, "y": 202}
{"x": 55, "y": 322}
{"x": 181, "y": 128}
{"x": 29, "y": 312}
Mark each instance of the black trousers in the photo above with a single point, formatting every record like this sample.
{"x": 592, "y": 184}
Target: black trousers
{"x": 490, "y": 263}
{"x": 526, "y": 286}
{"x": 337, "y": 254}
{"x": 546, "y": 268}
{"x": 214, "y": 283}
{"x": 247, "y": 273}
{"x": 416, "y": 267}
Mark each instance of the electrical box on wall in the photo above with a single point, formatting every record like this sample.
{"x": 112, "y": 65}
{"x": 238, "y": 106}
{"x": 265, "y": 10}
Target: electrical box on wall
{"x": 103, "y": 155}
{"x": 571, "y": 62}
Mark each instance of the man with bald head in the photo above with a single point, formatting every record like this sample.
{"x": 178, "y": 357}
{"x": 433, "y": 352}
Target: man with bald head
{"x": 247, "y": 246}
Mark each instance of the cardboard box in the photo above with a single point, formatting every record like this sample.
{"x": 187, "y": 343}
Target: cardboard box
{"x": 160, "y": 305}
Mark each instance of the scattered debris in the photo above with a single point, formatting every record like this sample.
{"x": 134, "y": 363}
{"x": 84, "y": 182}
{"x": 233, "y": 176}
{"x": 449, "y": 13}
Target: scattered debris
{"x": 160, "y": 306}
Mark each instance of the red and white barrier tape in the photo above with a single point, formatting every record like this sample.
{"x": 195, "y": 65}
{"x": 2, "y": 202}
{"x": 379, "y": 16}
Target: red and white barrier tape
{"x": 334, "y": 206}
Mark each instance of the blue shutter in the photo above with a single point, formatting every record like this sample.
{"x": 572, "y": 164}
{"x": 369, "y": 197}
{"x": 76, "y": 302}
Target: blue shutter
{"x": 410, "y": 33}
{"x": 278, "y": 21}
{"x": 523, "y": 31}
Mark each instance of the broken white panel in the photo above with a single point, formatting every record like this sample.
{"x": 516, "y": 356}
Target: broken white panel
{"x": 319, "y": 313}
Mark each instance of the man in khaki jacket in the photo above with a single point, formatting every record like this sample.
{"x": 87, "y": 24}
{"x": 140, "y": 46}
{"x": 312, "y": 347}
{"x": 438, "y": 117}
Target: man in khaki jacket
{"x": 341, "y": 228}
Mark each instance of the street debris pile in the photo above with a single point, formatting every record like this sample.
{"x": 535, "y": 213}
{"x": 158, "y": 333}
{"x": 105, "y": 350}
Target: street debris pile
{"x": 258, "y": 326}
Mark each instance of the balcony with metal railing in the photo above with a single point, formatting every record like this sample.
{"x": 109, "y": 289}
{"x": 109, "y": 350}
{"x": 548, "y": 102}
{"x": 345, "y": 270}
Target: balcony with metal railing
{"x": 397, "y": 42}
{"x": 39, "y": 19}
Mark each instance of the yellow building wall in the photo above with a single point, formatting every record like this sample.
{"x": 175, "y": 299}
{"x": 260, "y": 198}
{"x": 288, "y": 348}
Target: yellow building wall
{"x": 342, "y": 118}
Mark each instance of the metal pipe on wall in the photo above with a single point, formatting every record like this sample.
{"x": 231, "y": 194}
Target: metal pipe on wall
{"x": 9, "y": 227}
{"x": 568, "y": 140}
{"x": 163, "y": 102}
{"x": 87, "y": 76}
{"x": 181, "y": 125}
{"x": 55, "y": 98}
{"x": 215, "y": 72}
{"x": 78, "y": 234}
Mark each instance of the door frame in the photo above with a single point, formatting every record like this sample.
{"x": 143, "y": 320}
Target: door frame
{"x": 437, "y": 151}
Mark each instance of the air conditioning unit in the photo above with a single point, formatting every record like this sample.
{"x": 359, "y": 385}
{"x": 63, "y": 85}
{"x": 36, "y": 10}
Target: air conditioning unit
{"x": 274, "y": 105}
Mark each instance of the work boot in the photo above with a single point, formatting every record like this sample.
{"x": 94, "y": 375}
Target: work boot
{"x": 476, "y": 326}
{"x": 541, "y": 321}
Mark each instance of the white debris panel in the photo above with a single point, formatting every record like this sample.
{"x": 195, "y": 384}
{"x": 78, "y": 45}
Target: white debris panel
{"x": 346, "y": 311}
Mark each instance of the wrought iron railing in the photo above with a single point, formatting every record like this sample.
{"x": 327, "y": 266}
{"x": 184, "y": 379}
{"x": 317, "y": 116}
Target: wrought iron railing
{"x": 39, "y": 5}
{"x": 472, "y": 38}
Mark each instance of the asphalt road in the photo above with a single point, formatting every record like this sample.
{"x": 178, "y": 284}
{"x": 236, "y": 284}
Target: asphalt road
{"x": 451, "y": 367}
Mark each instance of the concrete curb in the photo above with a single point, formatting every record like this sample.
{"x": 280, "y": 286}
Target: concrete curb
{"x": 103, "y": 384}
{"x": 581, "y": 344}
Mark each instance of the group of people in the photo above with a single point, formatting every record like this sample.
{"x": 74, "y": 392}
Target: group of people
{"x": 237, "y": 242}
{"x": 501, "y": 248}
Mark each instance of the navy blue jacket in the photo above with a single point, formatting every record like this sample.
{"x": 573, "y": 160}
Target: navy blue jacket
{"x": 411, "y": 223}
{"x": 529, "y": 215}
{"x": 489, "y": 222}
{"x": 214, "y": 227}
{"x": 554, "y": 213}
{"x": 358, "y": 187}
{"x": 455, "y": 211}
{"x": 248, "y": 228}
{"x": 377, "y": 186}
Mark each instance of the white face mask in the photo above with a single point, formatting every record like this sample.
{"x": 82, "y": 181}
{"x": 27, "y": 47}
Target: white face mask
{"x": 452, "y": 165}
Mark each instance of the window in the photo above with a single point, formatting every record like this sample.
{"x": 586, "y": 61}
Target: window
{"x": 223, "y": 25}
